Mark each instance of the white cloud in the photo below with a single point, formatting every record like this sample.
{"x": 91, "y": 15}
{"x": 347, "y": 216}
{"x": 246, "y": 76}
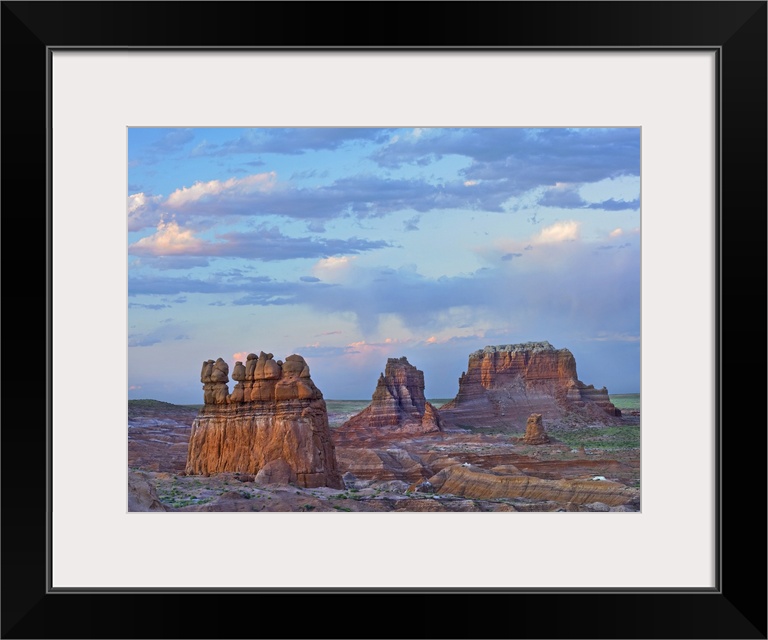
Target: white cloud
{"x": 138, "y": 200}
{"x": 169, "y": 239}
{"x": 333, "y": 262}
{"x": 142, "y": 211}
{"x": 363, "y": 350}
{"x": 616, "y": 233}
{"x": 234, "y": 186}
{"x": 559, "y": 232}
{"x": 561, "y": 238}
{"x": 333, "y": 268}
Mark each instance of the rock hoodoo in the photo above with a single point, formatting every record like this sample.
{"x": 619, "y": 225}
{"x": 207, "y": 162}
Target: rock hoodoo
{"x": 274, "y": 420}
{"x": 504, "y": 384}
{"x": 398, "y": 406}
{"x": 534, "y": 430}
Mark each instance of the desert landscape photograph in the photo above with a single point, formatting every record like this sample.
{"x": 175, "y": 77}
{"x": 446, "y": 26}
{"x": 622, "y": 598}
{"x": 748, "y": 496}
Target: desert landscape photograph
{"x": 399, "y": 319}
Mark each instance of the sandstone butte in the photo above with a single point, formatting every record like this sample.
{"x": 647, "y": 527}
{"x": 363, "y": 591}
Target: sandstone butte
{"x": 398, "y": 406}
{"x": 503, "y": 385}
{"x": 274, "y": 424}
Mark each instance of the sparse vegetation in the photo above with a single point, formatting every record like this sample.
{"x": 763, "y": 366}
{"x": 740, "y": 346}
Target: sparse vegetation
{"x": 150, "y": 404}
{"x": 493, "y": 431}
{"x": 619, "y": 437}
{"x": 186, "y": 502}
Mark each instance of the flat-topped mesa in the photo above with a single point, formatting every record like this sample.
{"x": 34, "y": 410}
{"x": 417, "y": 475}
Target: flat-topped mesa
{"x": 505, "y": 384}
{"x": 398, "y": 405}
{"x": 274, "y": 423}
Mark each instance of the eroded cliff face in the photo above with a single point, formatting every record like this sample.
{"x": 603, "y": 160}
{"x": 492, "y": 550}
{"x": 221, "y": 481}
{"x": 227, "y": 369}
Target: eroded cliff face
{"x": 398, "y": 406}
{"x": 275, "y": 420}
{"x": 505, "y": 384}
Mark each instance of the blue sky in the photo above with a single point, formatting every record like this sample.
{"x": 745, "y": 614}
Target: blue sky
{"x": 350, "y": 245}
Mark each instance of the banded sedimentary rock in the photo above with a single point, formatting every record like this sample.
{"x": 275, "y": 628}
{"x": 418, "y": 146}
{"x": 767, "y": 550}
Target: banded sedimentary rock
{"x": 473, "y": 482}
{"x": 392, "y": 463}
{"x": 274, "y": 420}
{"x": 398, "y": 405}
{"x": 504, "y": 384}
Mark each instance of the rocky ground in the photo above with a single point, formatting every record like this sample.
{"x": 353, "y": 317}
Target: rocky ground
{"x": 158, "y": 435}
{"x": 585, "y": 467}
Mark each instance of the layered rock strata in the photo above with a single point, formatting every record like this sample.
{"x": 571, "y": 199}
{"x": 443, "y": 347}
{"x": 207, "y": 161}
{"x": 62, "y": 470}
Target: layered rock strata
{"x": 504, "y": 384}
{"x": 398, "y": 406}
{"x": 274, "y": 422}
{"x": 473, "y": 482}
{"x": 377, "y": 464}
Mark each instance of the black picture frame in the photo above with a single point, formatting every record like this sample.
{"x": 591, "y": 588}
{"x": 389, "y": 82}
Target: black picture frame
{"x": 736, "y": 608}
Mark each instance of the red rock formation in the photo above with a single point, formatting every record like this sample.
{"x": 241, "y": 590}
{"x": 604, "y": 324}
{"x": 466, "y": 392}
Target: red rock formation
{"x": 142, "y": 495}
{"x": 398, "y": 406}
{"x": 275, "y": 420}
{"x": 381, "y": 464}
{"x": 504, "y": 384}
{"x": 473, "y": 482}
{"x": 534, "y": 430}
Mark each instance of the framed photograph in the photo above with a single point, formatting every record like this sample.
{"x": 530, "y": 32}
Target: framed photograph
{"x": 279, "y": 178}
